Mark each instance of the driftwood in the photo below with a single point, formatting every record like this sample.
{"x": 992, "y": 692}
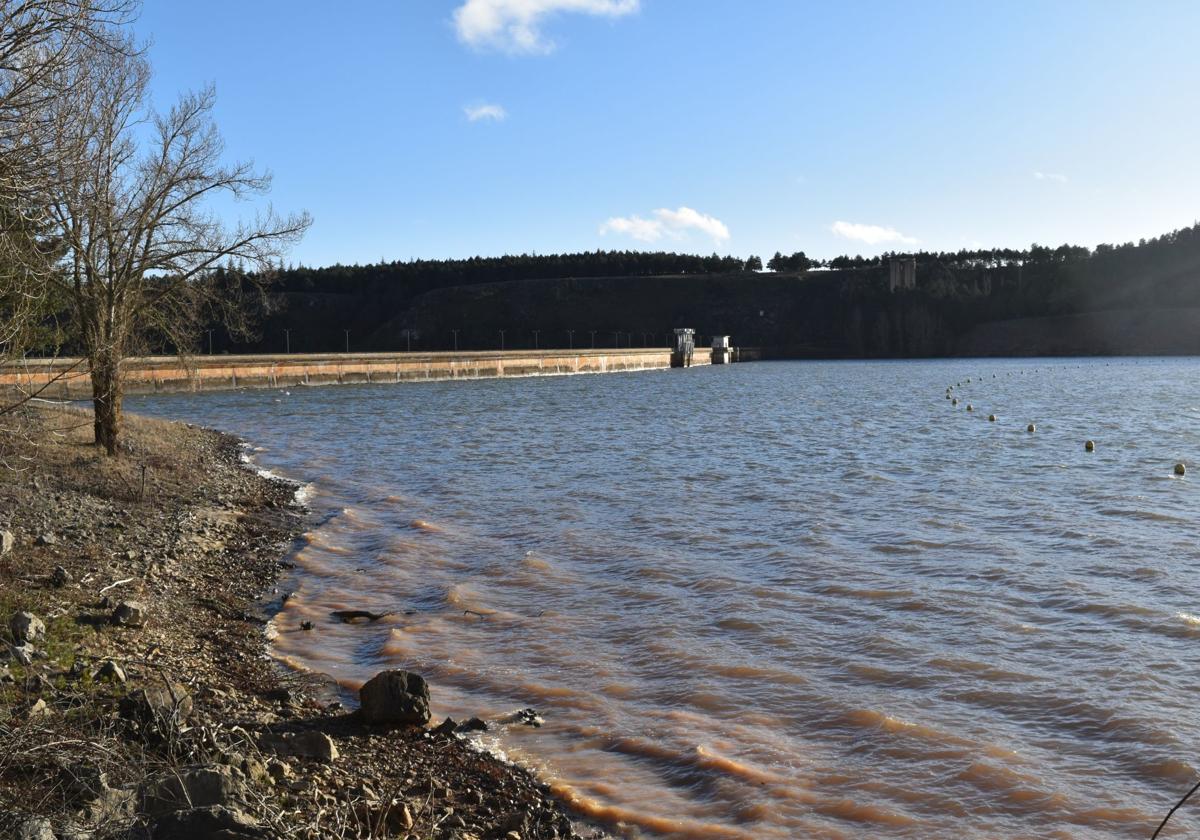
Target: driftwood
{"x": 348, "y": 616}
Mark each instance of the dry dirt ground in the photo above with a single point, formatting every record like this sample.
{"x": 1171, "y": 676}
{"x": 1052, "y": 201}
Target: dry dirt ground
{"x": 148, "y": 706}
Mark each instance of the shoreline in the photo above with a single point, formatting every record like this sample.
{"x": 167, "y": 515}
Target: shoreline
{"x": 184, "y": 715}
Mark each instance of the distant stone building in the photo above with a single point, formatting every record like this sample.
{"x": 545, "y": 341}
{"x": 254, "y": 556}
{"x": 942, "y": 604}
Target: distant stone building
{"x": 902, "y": 273}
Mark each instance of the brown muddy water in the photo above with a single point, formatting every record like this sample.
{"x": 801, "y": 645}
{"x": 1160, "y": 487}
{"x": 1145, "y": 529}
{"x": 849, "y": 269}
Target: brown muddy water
{"x": 774, "y": 600}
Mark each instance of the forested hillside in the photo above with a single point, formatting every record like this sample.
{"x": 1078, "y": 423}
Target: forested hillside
{"x": 838, "y": 307}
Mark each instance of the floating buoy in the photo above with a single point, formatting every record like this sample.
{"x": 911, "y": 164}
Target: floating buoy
{"x": 992, "y": 418}
{"x": 1180, "y": 468}
{"x": 970, "y": 407}
{"x": 1090, "y": 446}
{"x": 1031, "y": 428}
{"x": 954, "y": 401}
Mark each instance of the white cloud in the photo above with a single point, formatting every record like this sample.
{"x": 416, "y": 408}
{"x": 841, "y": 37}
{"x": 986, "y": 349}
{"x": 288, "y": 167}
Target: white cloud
{"x": 515, "y": 26}
{"x": 1050, "y": 176}
{"x": 870, "y": 234}
{"x": 671, "y": 223}
{"x": 485, "y": 111}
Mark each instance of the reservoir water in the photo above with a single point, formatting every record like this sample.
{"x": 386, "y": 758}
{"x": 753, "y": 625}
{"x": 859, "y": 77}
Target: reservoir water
{"x": 774, "y": 600}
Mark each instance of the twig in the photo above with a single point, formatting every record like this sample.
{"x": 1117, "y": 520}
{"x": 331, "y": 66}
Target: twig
{"x": 1178, "y": 804}
{"x": 117, "y": 583}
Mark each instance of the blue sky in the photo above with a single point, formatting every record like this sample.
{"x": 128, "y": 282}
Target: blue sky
{"x": 432, "y": 129}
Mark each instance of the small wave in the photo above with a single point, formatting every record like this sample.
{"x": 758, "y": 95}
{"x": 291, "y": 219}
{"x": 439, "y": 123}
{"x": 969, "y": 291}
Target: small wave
{"x": 613, "y": 814}
{"x": 1147, "y": 515}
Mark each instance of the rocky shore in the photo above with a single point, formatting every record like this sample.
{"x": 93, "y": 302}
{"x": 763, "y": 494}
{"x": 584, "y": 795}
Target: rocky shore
{"x": 137, "y": 696}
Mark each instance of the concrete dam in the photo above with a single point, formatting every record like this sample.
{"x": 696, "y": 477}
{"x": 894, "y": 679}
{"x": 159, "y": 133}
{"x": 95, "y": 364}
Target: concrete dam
{"x": 68, "y": 378}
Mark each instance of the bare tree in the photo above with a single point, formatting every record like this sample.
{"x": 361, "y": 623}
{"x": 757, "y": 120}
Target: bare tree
{"x": 44, "y": 44}
{"x": 130, "y": 208}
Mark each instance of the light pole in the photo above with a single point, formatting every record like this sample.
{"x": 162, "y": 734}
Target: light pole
{"x": 210, "y": 332}
{"x": 455, "y": 340}
{"x": 571, "y": 339}
{"x": 535, "y": 339}
{"x": 287, "y": 341}
{"x": 616, "y": 339}
{"x": 501, "y": 339}
{"x": 630, "y": 340}
{"x": 408, "y": 341}
{"x": 347, "y": 332}
{"x": 593, "y": 332}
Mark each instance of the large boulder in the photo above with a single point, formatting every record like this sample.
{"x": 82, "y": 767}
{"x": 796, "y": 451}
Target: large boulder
{"x": 164, "y": 708}
{"x": 209, "y": 823}
{"x": 395, "y": 696}
{"x": 6, "y": 542}
{"x": 193, "y": 787}
{"x": 26, "y": 627}
{"x": 129, "y": 614}
{"x": 310, "y": 744}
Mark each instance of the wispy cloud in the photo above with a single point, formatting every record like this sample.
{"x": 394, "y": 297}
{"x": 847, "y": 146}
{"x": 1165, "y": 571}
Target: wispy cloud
{"x": 515, "y": 26}
{"x": 1050, "y": 176}
{"x": 870, "y": 234}
{"x": 485, "y": 111}
{"x": 675, "y": 224}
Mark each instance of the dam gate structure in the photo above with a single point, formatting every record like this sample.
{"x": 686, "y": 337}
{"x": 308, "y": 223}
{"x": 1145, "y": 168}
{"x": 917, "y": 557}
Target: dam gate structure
{"x": 722, "y": 350}
{"x": 684, "y": 349}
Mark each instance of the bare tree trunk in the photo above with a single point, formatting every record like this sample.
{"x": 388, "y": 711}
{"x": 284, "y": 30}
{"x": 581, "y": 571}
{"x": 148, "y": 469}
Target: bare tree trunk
{"x": 106, "y": 400}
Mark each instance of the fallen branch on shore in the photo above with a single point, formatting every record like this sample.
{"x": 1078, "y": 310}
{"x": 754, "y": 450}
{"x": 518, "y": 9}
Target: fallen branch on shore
{"x": 117, "y": 583}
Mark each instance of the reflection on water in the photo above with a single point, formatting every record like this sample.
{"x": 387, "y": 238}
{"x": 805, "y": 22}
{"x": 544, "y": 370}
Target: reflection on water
{"x": 779, "y": 599}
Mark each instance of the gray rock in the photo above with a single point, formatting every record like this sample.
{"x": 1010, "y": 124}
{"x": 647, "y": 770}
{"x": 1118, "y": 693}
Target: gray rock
{"x": 35, "y": 828}
{"x": 60, "y": 577}
{"x": 46, "y": 539}
{"x": 84, "y": 781}
{"x": 210, "y": 823}
{"x": 395, "y": 696}
{"x": 109, "y": 670}
{"x": 193, "y": 787}
{"x": 22, "y": 653}
{"x": 310, "y": 744}
{"x": 111, "y": 806}
{"x": 26, "y": 627}
{"x": 280, "y": 771}
{"x": 39, "y": 710}
{"x": 5, "y": 675}
{"x": 129, "y": 614}
{"x": 7, "y": 541}
{"x": 446, "y": 727}
{"x": 166, "y": 706}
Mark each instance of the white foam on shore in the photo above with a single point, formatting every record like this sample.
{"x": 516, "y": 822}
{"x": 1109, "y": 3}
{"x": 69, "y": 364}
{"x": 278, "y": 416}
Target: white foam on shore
{"x": 302, "y": 493}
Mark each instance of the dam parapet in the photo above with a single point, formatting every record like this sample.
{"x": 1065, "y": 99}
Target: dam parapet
{"x": 68, "y": 378}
